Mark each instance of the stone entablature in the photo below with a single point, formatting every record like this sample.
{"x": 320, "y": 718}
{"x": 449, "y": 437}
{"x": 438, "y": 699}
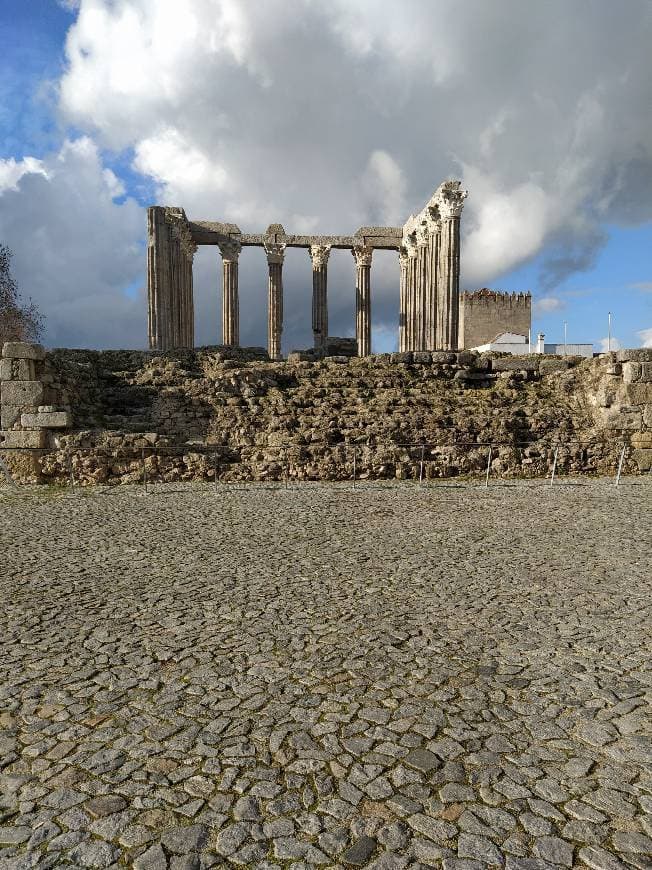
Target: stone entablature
{"x": 27, "y": 410}
{"x": 429, "y": 251}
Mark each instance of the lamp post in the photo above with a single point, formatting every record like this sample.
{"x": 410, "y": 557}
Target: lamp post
{"x": 565, "y": 327}
{"x": 609, "y": 332}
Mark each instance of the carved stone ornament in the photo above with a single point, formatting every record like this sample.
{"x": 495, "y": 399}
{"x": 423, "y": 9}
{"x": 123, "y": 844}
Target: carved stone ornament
{"x": 451, "y": 200}
{"x": 362, "y": 255}
{"x": 402, "y": 256}
{"x": 275, "y": 252}
{"x": 230, "y": 250}
{"x": 180, "y": 231}
{"x": 319, "y": 255}
{"x": 422, "y": 234}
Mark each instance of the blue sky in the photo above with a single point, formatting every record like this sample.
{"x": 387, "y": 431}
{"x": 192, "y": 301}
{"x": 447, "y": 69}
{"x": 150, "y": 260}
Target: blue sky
{"x": 322, "y": 119}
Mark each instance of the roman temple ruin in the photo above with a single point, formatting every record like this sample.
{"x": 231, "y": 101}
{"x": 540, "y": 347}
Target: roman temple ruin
{"x": 428, "y": 246}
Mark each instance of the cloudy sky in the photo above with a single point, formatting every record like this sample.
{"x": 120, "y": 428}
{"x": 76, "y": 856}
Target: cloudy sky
{"x": 325, "y": 116}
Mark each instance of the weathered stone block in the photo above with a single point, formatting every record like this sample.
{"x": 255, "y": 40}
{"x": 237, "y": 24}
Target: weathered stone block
{"x": 623, "y": 417}
{"x": 548, "y": 366}
{"x": 466, "y": 358}
{"x": 641, "y": 439}
{"x": 515, "y": 364}
{"x": 24, "y": 370}
{"x": 424, "y": 357}
{"x": 642, "y": 458}
{"x": 631, "y": 372}
{"x": 444, "y": 357}
{"x": 46, "y": 420}
{"x": 646, "y": 372}
{"x": 614, "y": 369}
{"x": 17, "y": 438}
{"x": 22, "y": 350}
{"x": 17, "y": 370}
{"x": 9, "y": 414}
{"x": 21, "y": 392}
{"x": 640, "y": 354}
{"x": 402, "y": 357}
{"x": 638, "y": 393}
{"x": 647, "y": 415}
{"x": 296, "y": 356}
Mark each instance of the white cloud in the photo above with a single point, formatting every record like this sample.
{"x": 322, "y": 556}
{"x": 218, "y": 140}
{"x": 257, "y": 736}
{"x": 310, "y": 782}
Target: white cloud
{"x": 75, "y": 250}
{"x": 606, "y": 344}
{"x": 383, "y": 190}
{"x": 643, "y": 286}
{"x": 646, "y": 337}
{"x": 547, "y": 304}
{"x": 11, "y": 171}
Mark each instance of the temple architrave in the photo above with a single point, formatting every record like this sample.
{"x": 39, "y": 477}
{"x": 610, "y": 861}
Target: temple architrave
{"x": 428, "y": 247}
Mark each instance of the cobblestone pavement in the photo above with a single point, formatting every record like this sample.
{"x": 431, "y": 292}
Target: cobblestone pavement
{"x": 386, "y": 678}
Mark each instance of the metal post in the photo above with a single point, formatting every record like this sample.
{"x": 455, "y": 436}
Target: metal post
{"x": 215, "y": 473}
{"x": 142, "y": 459}
{"x": 287, "y": 473}
{"x": 554, "y": 466}
{"x": 608, "y": 331}
{"x": 620, "y": 464}
{"x": 486, "y": 481}
{"x": 72, "y": 473}
{"x": 421, "y": 466}
{"x": 565, "y": 326}
{"x": 355, "y": 454}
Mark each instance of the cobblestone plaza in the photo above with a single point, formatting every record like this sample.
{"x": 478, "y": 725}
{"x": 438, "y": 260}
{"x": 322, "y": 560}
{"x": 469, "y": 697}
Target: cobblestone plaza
{"x": 320, "y": 677}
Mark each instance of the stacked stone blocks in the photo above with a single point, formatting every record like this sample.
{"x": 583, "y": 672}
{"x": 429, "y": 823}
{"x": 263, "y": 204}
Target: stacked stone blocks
{"x": 25, "y": 418}
{"x": 484, "y": 314}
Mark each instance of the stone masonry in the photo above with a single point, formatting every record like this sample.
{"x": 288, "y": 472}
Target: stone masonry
{"x": 429, "y": 254}
{"x": 28, "y": 412}
{"x": 233, "y": 413}
{"x": 484, "y": 314}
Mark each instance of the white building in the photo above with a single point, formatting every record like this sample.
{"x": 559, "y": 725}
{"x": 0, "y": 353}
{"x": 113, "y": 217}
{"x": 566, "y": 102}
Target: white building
{"x": 512, "y": 342}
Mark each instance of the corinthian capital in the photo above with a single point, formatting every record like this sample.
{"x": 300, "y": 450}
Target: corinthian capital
{"x": 275, "y": 252}
{"x": 451, "y": 199}
{"x": 362, "y": 255}
{"x": 230, "y": 250}
{"x": 422, "y": 233}
{"x": 319, "y": 255}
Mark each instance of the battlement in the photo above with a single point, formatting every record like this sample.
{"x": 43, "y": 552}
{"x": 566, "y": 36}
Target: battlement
{"x": 486, "y": 313}
{"x": 496, "y": 297}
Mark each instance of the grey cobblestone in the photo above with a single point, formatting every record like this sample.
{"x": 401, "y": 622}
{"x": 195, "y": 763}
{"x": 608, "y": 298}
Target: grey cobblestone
{"x": 392, "y": 678}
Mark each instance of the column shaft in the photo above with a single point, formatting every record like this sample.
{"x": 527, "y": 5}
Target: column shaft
{"x": 449, "y": 301}
{"x": 230, "y": 251}
{"x": 362, "y": 257}
{"x": 402, "y": 305}
{"x": 319, "y": 256}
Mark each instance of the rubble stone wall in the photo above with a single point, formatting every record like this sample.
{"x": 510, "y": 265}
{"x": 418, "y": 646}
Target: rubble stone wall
{"x": 233, "y": 413}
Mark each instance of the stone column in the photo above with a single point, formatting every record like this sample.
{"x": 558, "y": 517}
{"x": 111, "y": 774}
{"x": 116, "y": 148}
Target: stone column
{"x": 422, "y": 294}
{"x": 434, "y": 229}
{"x": 230, "y": 251}
{"x": 170, "y": 250}
{"x": 319, "y": 255}
{"x": 451, "y": 202}
{"x": 275, "y": 254}
{"x": 402, "y": 303}
{"x": 362, "y": 255}
{"x": 158, "y": 277}
{"x": 411, "y": 283}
